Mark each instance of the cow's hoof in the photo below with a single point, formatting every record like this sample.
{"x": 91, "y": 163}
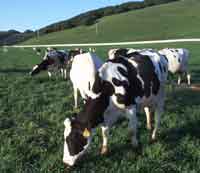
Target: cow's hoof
{"x": 149, "y": 128}
{"x": 152, "y": 140}
{"x": 104, "y": 150}
{"x": 67, "y": 167}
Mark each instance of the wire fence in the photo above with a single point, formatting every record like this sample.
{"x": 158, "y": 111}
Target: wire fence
{"x": 107, "y": 44}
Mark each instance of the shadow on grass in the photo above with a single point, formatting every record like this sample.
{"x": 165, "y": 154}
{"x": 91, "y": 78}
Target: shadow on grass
{"x": 174, "y": 136}
{"x": 195, "y": 75}
{"x": 14, "y": 70}
{"x": 183, "y": 97}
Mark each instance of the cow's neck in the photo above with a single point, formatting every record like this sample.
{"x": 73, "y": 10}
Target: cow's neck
{"x": 93, "y": 113}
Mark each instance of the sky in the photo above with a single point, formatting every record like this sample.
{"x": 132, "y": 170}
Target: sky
{"x": 34, "y": 14}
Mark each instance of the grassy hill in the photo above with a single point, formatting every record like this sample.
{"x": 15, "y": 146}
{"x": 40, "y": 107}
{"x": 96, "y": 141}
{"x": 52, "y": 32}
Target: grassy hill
{"x": 174, "y": 20}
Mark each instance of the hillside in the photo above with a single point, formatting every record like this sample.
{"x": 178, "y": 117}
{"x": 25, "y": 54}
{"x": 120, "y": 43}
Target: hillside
{"x": 12, "y": 36}
{"x": 174, "y": 20}
{"x": 92, "y": 16}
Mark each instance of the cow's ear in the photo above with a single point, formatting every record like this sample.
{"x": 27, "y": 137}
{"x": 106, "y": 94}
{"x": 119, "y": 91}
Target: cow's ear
{"x": 67, "y": 122}
{"x": 86, "y": 133}
{"x": 121, "y": 52}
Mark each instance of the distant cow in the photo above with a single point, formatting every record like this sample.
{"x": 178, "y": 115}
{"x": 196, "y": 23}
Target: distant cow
{"x": 54, "y": 61}
{"x": 82, "y": 74}
{"x": 37, "y": 50}
{"x": 177, "y": 62}
{"x": 122, "y": 86}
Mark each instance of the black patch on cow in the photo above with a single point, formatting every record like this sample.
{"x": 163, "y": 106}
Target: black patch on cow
{"x": 97, "y": 84}
{"x": 160, "y": 67}
{"x": 121, "y": 52}
{"x": 42, "y": 66}
{"x": 118, "y": 83}
{"x": 38, "y": 50}
{"x": 122, "y": 71}
{"x": 76, "y": 141}
{"x": 164, "y": 69}
{"x": 61, "y": 56}
{"x": 73, "y": 53}
{"x": 165, "y": 58}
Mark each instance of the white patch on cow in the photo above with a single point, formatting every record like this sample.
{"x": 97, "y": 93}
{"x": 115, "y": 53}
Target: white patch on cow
{"x": 68, "y": 127}
{"x": 109, "y": 70}
{"x": 142, "y": 82}
{"x": 131, "y": 50}
{"x": 111, "y": 53}
{"x": 82, "y": 74}
{"x": 35, "y": 67}
{"x": 133, "y": 62}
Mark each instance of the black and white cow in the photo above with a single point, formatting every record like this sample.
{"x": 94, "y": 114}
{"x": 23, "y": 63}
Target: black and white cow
{"x": 37, "y": 50}
{"x": 122, "y": 86}
{"x": 54, "y": 61}
{"x": 177, "y": 62}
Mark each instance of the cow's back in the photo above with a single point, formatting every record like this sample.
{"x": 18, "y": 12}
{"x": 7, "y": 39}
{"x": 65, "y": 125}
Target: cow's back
{"x": 84, "y": 67}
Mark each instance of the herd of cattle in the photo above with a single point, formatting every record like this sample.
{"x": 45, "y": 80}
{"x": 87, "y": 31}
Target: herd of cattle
{"x": 129, "y": 81}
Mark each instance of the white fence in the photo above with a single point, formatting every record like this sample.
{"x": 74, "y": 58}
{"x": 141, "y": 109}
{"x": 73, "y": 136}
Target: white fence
{"x": 108, "y": 44}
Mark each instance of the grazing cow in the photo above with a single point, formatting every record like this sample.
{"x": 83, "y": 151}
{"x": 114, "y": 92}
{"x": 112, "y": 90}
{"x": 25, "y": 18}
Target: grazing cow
{"x": 177, "y": 62}
{"x": 82, "y": 73}
{"x": 122, "y": 86}
{"x": 37, "y": 50}
{"x": 53, "y": 61}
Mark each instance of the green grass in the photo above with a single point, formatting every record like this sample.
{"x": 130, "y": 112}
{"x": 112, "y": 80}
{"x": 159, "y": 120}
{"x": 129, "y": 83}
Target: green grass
{"x": 32, "y": 111}
{"x": 173, "y": 20}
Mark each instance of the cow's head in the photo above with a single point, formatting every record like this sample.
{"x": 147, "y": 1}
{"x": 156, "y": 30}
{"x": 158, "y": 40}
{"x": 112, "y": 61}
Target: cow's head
{"x": 42, "y": 66}
{"x": 77, "y": 137}
{"x": 114, "y": 53}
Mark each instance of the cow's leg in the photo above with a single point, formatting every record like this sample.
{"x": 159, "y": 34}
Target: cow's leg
{"x": 149, "y": 117}
{"x": 157, "y": 124}
{"x": 65, "y": 74}
{"x": 131, "y": 113}
{"x": 158, "y": 111}
{"x": 179, "y": 79}
{"x": 188, "y": 78}
{"x": 105, "y": 131}
{"x": 75, "y": 97}
{"x": 62, "y": 72}
{"x": 49, "y": 74}
{"x": 111, "y": 115}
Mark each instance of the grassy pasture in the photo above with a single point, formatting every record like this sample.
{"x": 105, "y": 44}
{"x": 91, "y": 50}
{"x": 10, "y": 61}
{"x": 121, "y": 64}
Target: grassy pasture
{"x": 32, "y": 111}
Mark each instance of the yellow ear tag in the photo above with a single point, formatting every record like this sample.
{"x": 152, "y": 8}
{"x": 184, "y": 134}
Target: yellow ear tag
{"x": 86, "y": 133}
